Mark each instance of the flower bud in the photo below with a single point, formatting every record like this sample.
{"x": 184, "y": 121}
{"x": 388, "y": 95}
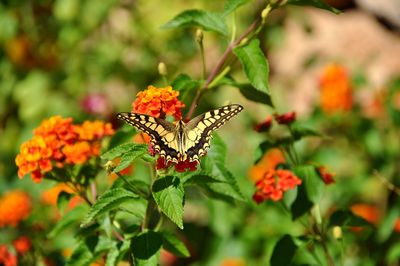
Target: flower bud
{"x": 199, "y": 35}
{"x": 162, "y": 69}
{"x": 337, "y": 232}
{"x": 286, "y": 118}
{"x": 110, "y": 166}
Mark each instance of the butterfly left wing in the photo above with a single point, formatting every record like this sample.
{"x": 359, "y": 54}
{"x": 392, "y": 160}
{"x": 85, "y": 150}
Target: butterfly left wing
{"x": 198, "y": 130}
{"x": 163, "y": 133}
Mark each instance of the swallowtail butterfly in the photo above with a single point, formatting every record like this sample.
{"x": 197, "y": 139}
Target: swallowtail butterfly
{"x": 182, "y": 141}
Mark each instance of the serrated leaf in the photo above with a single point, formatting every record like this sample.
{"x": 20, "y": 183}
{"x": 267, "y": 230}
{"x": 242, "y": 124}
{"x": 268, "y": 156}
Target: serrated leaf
{"x": 112, "y": 256}
{"x": 146, "y": 245}
{"x": 283, "y": 252}
{"x": 128, "y": 158}
{"x": 232, "y": 5}
{"x": 255, "y": 95}
{"x": 254, "y": 64}
{"x": 218, "y": 149}
{"x": 107, "y": 202}
{"x": 174, "y": 245}
{"x": 198, "y": 18}
{"x": 312, "y": 182}
{"x": 168, "y": 193}
{"x": 70, "y": 218}
{"x": 123, "y": 149}
{"x": 315, "y": 3}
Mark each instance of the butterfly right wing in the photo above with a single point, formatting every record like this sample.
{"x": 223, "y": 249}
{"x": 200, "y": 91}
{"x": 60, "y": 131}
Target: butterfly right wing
{"x": 163, "y": 133}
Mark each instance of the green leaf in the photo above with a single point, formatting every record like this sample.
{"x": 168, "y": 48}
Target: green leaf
{"x": 128, "y": 158}
{"x": 218, "y": 149}
{"x": 112, "y": 256}
{"x": 198, "y": 18}
{"x": 110, "y": 200}
{"x": 123, "y": 149}
{"x": 387, "y": 225}
{"x": 146, "y": 245}
{"x": 283, "y": 252}
{"x": 302, "y": 204}
{"x": 184, "y": 82}
{"x": 255, "y": 95}
{"x": 63, "y": 201}
{"x": 312, "y": 182}
{"x": 174, "y": 245}
{"x": 168, "y": 193}
{"x": 70, "y": 218}
{"x": 315, "y": 3}
{"x": 346, "y": 218}
{"x": 300, "y": 132}
{"x": 254, "y": 64}
{"x": 232, "y": 5}
{"x": 83, "y": 254}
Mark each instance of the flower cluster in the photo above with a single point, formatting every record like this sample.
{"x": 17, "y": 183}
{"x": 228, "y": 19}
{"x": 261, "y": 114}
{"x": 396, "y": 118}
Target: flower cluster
{"x": 326, "y": 176}
{"x": 14, "y": 207}
{"x": 336, "y": 91}
{"x": 273, "y": 184}
{"x": 270, "y": 160}
{"x": 22, "y": 244}
{"x": 158, "y": 102}
{"x": 180, "y": 166}
{"x": 57, "y": 142}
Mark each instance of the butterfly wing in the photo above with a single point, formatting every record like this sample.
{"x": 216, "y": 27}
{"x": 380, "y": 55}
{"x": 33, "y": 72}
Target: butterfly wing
{"x": 198, "y": 131}
{"x": 163, "y": 134}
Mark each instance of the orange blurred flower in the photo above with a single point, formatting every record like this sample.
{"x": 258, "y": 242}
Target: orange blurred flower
{"x": 50, "y": 196}
{"x": 14, "y": 207}
{"x": 233, "y": 262}
{"x": 397, "y": 225}
{"x": 56, "y": 142}
{"x": 264, "y": 126}
{"x": 367, "y": 211}
{"x": 158, "y": 102}
{"x": 6, "y": 257}
{"x": 336, "y": 90}
{"x": 22, "y": 244}
{"x": 269, "y": 161}
{"x": 273, "y": 184}
{"x": 167, "y": 258}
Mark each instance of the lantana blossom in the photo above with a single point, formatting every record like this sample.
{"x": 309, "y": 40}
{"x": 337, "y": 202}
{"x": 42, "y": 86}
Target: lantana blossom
{"x": 15, "y": 206}
{"x": 56, "y": 142}
{"x": 273, "y": 185}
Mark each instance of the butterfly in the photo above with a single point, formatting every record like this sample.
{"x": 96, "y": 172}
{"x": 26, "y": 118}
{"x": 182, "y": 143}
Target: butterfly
{"x": 182, "y": 141}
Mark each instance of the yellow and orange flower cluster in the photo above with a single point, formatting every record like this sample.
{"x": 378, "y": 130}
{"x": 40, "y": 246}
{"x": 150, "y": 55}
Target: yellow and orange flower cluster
{"x": 56, "y": 142}
{"x": 273, "y": 184}
{"x": 336, "y": 90}
{"x": 15, "y": 206}
{"x": 158, "y": 102}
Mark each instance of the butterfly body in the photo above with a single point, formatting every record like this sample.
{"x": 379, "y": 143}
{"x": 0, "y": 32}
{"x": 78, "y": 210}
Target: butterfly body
{"x": 182, "y": 141}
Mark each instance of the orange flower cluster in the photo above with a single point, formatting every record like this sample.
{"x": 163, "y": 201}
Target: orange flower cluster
{"x": 268, "y": 162}
{"x": 56, "y": 142}
{"x": 6, "y": 257}
{"x": 158, "y": 102}
{"x": 273, "y": 184}
{"x": 14, "y": 207}
{"x": 22, "y": 244}
{"x": 336, "y": 91}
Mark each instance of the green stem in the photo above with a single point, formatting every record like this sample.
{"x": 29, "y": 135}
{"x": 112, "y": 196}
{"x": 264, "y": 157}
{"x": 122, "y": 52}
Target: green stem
{"x": 132, "y": 187}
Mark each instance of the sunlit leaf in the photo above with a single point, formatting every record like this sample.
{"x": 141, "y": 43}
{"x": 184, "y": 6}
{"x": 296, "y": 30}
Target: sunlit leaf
{"x": 174, "y": 245}
{"x": 108, "y": 201}
{"x": 315, "y": 3}
{"x": 198, "y": 18}
{"x": 168, "y": 193}
{"x": 232, "y": 5}
{"x": 254, "y": 64}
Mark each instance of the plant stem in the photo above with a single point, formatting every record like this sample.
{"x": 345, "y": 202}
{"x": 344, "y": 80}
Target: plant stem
{"x": 217, "y": 68}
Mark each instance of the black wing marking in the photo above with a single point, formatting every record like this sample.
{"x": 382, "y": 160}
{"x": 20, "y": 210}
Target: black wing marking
{"x": 198, "y": 130}
{"x": 163, "y": 133}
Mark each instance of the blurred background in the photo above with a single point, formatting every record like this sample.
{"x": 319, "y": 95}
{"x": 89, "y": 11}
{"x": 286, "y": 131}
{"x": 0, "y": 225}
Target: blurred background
{"x": 88, "y": 59}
